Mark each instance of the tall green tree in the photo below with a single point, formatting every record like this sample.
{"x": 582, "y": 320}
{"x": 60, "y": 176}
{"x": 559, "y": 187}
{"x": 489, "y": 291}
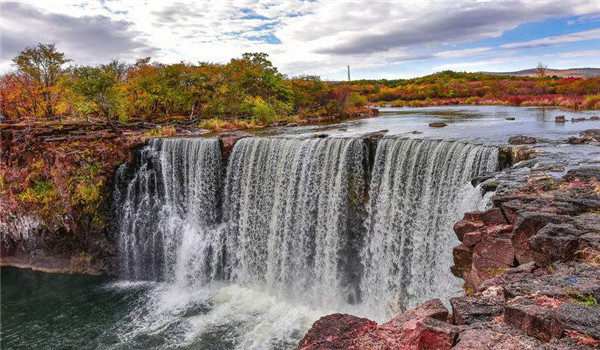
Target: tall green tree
{"x": 44, "y": 65}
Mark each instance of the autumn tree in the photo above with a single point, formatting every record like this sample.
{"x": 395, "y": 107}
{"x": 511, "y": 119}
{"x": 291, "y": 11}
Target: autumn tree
{"x": 100, "y": 91}
{"x": 43, "y": 66}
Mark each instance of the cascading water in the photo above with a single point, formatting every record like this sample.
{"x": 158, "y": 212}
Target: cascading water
{"x": 290, "y": 205}
{"x": 323, "y": 223}
{"x": 414, "y": 200}
{"x": 167, "y": 210}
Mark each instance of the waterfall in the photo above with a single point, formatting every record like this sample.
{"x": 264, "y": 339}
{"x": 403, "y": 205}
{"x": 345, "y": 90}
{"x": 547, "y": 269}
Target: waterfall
{"x": 167, "y": 210}
{"x": 414, "y": 201}
{"x": 321, "y": 221}
{"x": 289, "y": 205}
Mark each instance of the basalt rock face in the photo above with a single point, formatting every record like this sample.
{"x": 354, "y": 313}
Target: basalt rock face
{"x": 531, "y": 266}
{"x": 56, "y": 190}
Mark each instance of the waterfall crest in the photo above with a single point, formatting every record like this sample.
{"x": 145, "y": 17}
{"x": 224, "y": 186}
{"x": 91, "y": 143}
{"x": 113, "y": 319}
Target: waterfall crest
{"x": 316, "y": 220}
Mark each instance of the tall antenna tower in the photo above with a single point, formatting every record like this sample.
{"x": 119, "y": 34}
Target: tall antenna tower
{"x": 348, "y": 73}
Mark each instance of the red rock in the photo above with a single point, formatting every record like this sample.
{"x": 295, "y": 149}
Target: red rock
{"x": 497, "y": 249}
{"x": 471, "y": 238}
{"x": 527, "y": 225}
{"x": 337, "y": 331}
{"x": 560, "y": 119}
{"x": 473, "y": 216}
{"x": 464, "y": 226}
{"x": 494, "y": 217}
{"x": 535, "y": 320}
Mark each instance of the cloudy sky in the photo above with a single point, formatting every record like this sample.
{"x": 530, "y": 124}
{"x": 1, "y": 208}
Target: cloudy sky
{"x": 378, "y": 39}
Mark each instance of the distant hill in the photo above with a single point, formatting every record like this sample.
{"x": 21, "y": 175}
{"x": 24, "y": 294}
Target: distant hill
{"x": 563, "y": 73}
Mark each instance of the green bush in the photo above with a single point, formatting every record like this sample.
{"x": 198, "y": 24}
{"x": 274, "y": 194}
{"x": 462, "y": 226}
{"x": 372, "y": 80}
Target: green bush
{"x": 263, "y": 111}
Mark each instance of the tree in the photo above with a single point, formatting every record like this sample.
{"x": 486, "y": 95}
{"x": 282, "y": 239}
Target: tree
{"x": 541, "y": 69}
{"x": 98, "y": 87}
{"x": 43, "y": 65}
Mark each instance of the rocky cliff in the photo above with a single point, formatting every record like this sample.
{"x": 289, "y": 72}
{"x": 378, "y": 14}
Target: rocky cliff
{"x": 531, "y": 266}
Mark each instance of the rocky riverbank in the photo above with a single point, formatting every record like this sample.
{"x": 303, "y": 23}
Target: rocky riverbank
{"x": 531, "y": 266}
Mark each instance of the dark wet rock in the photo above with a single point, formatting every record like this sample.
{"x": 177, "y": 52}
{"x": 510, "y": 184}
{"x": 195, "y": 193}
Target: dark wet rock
{"x": 560, "y": 119}
{"x": 375, "y": 135}
{"x": 582, "y": 174}
{"x": 510, "y": 118}
{"x": 437, "y": 125}
{"x": 555, "y": 242}
{"x": 229, "y": 139}
{"x": 584, "y": 319}
{"x": 320, "y": 136}
{"x": 591, "y": 134}
{"x": 470, "y": 309}
{"x": 594, "y": 118}
{"x": 521, "y": 140}
{"x": 575, "y": 120}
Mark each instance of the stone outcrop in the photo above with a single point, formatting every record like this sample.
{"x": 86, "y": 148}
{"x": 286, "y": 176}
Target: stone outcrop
{"x": 521, "y": 140}
{"x": 531, "y": 266}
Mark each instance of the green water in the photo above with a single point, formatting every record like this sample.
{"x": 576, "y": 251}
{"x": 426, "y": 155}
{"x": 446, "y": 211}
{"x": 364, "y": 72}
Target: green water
{"x": 55, "y": 311}
{"x": 52, "y": 311}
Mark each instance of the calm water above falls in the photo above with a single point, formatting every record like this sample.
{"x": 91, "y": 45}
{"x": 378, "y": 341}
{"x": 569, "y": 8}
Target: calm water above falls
{"x": 248, "y": 253}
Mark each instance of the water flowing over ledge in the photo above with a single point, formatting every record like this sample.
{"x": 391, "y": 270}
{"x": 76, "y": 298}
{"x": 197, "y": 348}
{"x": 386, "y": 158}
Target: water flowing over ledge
{"x": 318, "y": 221}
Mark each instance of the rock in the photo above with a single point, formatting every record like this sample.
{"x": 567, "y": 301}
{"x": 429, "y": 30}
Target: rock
{"x": 463, "y": 257}
{"x": 437, "y": 125}
{"x": 574, "y": 140}
{"x": 521, "y": 140}
{"x": 528, "y": 224}
{"x": 582, "y": 174}
{"x": 560, "y": 119}
{"x": 337, "y": 331}
{"x": 421, "y": 328}
{"x": 494, "y": 216}
{"x": 555, "y": 242}
{"x": 536, "y": 320}
{"x": 575, "y": 120}
{"x": 494, "y": 336}
{"x": 469, "y": 309}
{"x": 291, "y": 125}
{"x": 320, "y": 136}
{"x": 229, "y": 139}
{"x": 584, "y": 319}
{"x": 416, "y": 132}
{"x": 594, "y": 118}
{"x": 463, "y": 226}
{"x": 375, "y": 135}
{"x": 592, "y": 134}
{"x": 510, "y": 118}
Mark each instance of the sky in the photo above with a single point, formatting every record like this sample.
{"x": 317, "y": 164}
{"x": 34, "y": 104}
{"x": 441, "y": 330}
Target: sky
{"x": 378, "y": 39}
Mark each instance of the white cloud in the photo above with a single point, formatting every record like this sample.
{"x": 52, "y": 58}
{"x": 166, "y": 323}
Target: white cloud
{"x": 559, "y": 39}
{"x": 302, "y": 37}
